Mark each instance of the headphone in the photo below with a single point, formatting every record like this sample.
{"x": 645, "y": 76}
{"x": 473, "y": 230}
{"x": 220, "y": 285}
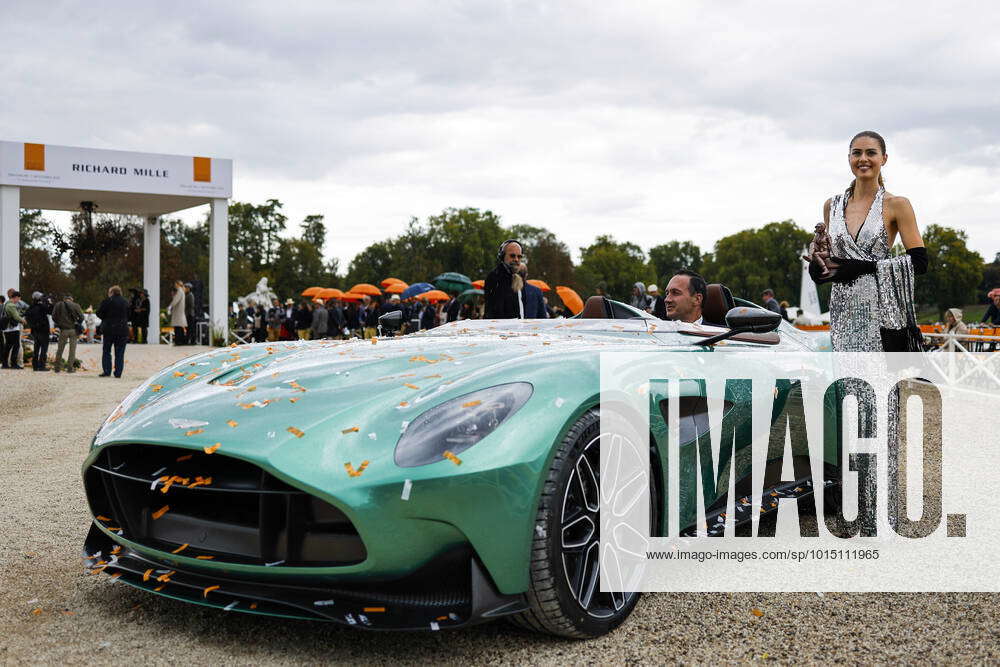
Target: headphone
{"x": 503, "y": 247}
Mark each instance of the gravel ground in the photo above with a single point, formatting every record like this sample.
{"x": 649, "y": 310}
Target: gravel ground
{"x": 51, "y": 611}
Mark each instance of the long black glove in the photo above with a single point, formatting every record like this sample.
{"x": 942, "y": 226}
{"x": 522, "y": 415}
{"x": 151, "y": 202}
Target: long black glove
{"x": 920, "y": 260}
{"x": 848, "y": 269}
{"x": 816, "y": 273}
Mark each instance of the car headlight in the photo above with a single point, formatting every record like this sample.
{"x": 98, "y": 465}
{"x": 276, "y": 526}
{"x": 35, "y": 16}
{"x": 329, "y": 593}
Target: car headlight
{"x": 458, "y": 424}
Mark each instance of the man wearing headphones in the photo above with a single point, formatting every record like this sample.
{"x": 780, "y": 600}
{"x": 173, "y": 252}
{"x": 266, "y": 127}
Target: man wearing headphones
{"x": 503, "y": 288}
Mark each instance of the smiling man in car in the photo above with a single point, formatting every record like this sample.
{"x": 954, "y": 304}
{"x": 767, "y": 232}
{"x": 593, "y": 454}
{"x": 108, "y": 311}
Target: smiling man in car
{"x": 684, "y": 296}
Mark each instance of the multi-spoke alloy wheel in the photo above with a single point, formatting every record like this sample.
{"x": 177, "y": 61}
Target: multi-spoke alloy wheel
{"x": 564, "y": 593}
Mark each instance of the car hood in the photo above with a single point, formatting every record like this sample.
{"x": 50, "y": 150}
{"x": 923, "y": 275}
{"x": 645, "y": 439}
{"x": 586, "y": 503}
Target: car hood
{"x": 253, "y": 400}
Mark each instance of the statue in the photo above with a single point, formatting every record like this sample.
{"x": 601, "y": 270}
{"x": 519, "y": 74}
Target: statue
{"x": 819, "y": 250}
{"x": 263, "y": 295}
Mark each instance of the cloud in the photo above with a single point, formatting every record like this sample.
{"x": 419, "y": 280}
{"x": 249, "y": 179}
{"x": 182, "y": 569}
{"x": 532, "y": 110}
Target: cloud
{"x": 653, "y": 121}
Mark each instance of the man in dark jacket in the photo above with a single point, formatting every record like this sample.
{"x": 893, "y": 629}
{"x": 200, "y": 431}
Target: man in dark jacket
{"x": 37, "y": 317}
{"x": 140, "y": 315}
{"x": 503, "y": 286}
{"x": 113, "y": 312}
{"x": 534, "y": 301}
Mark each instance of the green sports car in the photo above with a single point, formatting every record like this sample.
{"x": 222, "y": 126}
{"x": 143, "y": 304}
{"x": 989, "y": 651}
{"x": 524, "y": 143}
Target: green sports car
{"x": 427, "y": 481}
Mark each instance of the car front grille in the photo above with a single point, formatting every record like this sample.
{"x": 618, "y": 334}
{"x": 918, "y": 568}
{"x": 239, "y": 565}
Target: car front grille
{"x": 216, "y": 507}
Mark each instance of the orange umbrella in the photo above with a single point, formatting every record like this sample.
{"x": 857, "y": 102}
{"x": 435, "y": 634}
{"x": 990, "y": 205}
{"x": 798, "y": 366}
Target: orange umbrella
{"x": 330, "y": 293}
{"x": 389, "y": 281}
{"x": 351, "y": 296}
{"x": 435, "y": 295}
{"x": 366, "y": 288}
{"x": 570, "y": 298}
{"x": 396, "y": 288}
{"x": 540, "y": 284}
{"x": 479, "y": 284}
{"x": 311, "y": 291}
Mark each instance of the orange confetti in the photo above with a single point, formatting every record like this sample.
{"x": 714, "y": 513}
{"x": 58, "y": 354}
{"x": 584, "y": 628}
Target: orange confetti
{"x": 67, "y": 612}
{"x": 756, "y": 612}
{"x": 159, "y": 588}
{"x": 214, "y": 448}
{"x": 172, "y": 480}
{"x": 471, "y": 404}
{"x": 101, "y": 517}
{"x": 293, "y": 400}
{"x": 117, "y": 550}
{"x": 253, "y": 605}
{"x": 192, "y": 376}
{"x": 204, "y": 557}
{"x": 160, "y": 512}
{"x": 145, "y": 575}
{"x": 200, "y": 481}
{"x": 374, "y": 340}
{"x": 404, "y": 404}
{"x": 164, "y": 578}
{"x": 355, "y": 473}
{"x": 233, "y": 423}
{"x": 180, "y": 548}
{"x": 195, "y": 431}
{"x": 441, "y": 618}
{"x": 353, "y": 429}
{"x": 411, "y": 386}
{"x": 374, "y": 610}
{"x": 36, "y": 611}
{"x": 186, "y": 457}
{"x": 296, "y": 432}
{"x": 451, "y": 457}
{"x": 116, "y": 575}
{"x": 178, "y": 374}
{"x": 156, "y": 387}
{"x": 209, "y": 589}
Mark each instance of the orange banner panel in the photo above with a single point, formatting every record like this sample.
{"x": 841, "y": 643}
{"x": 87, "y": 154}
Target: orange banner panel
{"x": 34, "y": 157}
{"x": 203, "y": 169}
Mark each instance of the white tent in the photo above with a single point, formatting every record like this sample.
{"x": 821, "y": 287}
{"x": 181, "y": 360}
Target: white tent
{"x": 62, "y": 178}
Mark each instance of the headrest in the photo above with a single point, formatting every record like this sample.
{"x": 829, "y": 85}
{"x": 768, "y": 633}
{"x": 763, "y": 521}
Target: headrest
{"x": 718, "y": 302}
{"x": 596, "y": 308}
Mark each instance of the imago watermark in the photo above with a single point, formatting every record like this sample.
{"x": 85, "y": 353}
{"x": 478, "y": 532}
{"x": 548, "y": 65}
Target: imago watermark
{"x": 758, "y": 470}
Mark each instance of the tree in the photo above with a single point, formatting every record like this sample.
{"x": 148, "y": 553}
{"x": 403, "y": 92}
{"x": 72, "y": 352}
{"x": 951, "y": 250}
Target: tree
{"x": 465, "y": 240}
{"x": 612, "y": 266}
{"x": 254, "y": 232}
{"x": 954, "y": 270}
{"x": 750, "y": 261}
{"x": 314, "y": 231}
{"x": 668, "y": 258}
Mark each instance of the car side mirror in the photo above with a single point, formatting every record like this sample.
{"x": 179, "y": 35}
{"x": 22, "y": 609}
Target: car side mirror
{"x": 744, "y": 319}
{"x": 391, "y": 321}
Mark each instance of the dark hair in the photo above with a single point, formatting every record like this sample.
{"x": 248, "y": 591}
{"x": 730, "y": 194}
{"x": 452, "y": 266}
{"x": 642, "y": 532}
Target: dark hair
{"x": 14, "y": 293}
{"x": 871, "y": 134}
{"x": 696, "y": 284}
{"x": 768, "y": 291}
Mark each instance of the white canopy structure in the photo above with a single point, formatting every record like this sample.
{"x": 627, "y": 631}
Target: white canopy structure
{"x": 39, "y": 176}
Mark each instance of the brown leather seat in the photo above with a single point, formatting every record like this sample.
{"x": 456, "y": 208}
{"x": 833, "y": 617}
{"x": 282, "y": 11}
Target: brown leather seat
{"x": 596, "y": 308}
{"x": 718, "y": 302}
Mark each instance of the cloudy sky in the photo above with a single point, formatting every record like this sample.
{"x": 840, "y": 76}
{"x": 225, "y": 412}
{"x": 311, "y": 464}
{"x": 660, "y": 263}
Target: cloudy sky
{"x": 652, "y": 121}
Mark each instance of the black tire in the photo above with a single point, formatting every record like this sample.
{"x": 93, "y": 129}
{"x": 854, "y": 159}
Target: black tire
{"x": 555, "y": 608}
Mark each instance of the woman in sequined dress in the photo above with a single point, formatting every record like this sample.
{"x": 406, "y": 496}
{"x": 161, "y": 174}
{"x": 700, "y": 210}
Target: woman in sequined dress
{"x": 871, "y": 305}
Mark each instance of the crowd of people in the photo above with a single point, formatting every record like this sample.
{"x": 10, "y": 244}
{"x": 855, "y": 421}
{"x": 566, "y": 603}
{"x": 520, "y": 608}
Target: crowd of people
{"x": 45, "y": 318}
